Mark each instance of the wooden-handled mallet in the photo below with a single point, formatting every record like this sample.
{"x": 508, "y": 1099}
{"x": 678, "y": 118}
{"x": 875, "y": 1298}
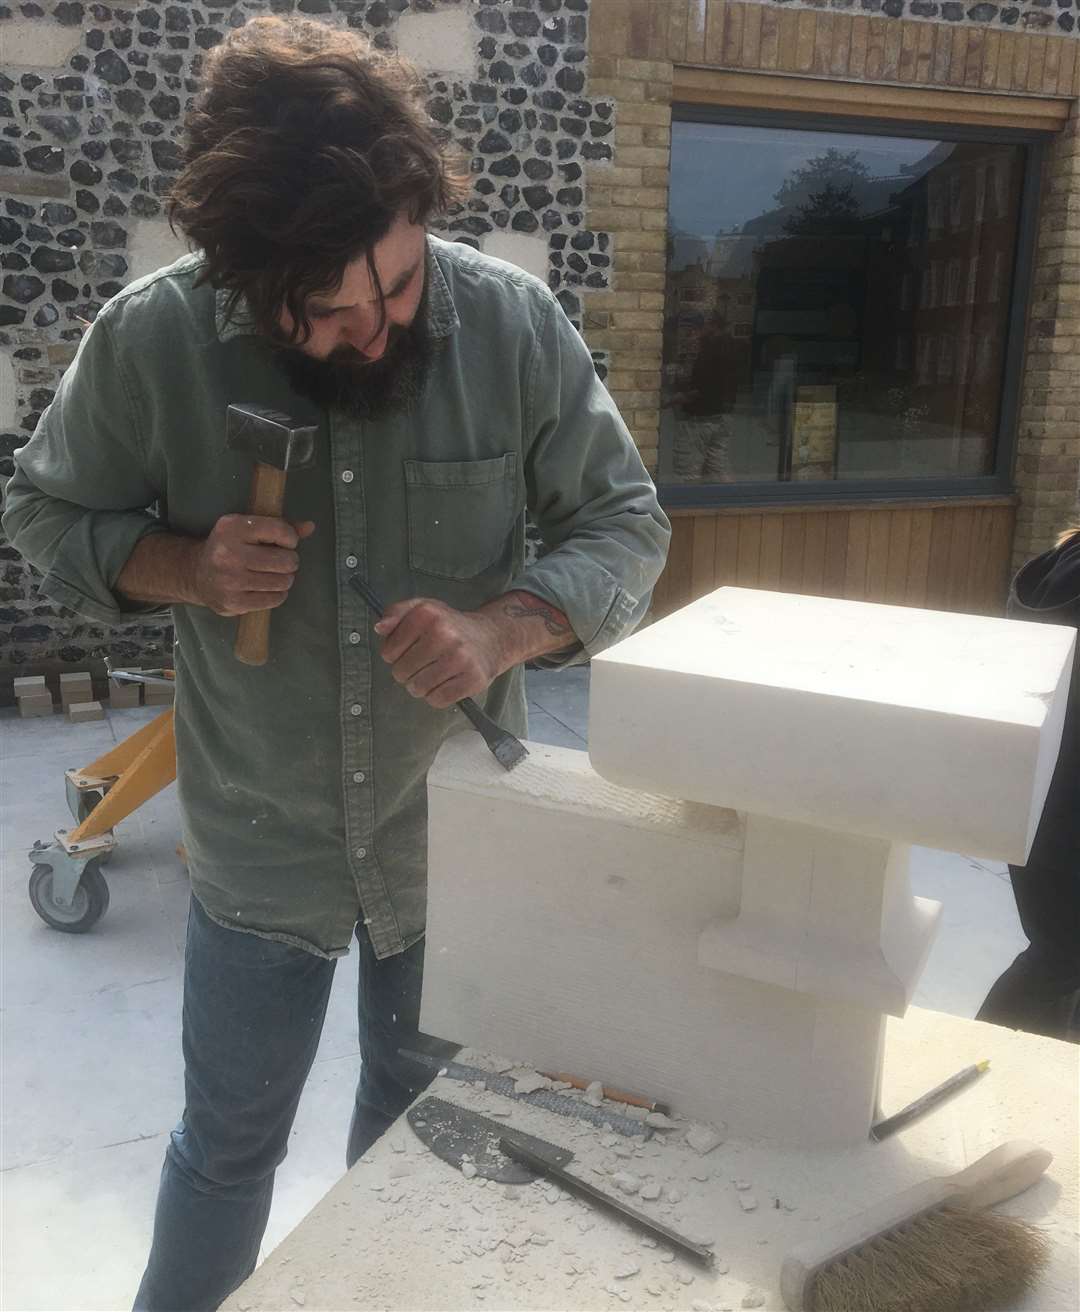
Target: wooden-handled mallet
{"x": 277, "y": 444}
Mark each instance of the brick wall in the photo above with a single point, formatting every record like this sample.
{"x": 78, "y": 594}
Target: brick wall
{"x": 634, "y": 48}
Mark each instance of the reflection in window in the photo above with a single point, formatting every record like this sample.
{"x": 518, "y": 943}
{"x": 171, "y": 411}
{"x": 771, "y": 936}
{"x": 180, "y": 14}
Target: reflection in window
{"x": 822, "y": 318}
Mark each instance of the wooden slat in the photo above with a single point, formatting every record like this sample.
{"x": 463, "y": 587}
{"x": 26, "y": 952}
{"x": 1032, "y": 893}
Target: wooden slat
{"x": 726, "y": 566}
{"x": 924, "y": 59}
{"x": 937, "y": 570}
{"x": 939, "y": 69}
{"x": 791, "y": 553}
{"x": 999, "y": 572}
{"x": 860, "y": 37}
{"x": 918, "y": 557}
{"x": 1051, "y": 66}
{"x": 909, "y": 50}
{"x": 1036, "y": 63}
{"x": 959, "y": 565}
{"x": 896, "y": 569}
{"x": 813, "y": 561}
{"x": 1021, "y": 61}
{"x": 877, "y": 556}
{"x": 958, "y": 59}
{"x": 676, "y": 576}
{"x": 789, "y": 40}
{"x": 841, "y": 47}
{"x": 770, "y": 37}
{"x": 976, "y": 595}
{"x": 1006, "y": 61}
{"x": 991, "y": 50}
{"x": 748, "y": 562}
{"x": 974, "y": 63}
{"x": 875, "y": 50}
{"x": 751, "y": 44}
{"x": 733, "y": 35}
{"x": 678, "y": 17}
{"x": 772, "y": 536}
{"x": 858, "y": 545}
{"x": 891, "y": 60}
{"x": 836, "y": 546}
{"x": 823, "y": 42}
{"x": 1066, "y": 75}
{"x": 804, "y": 48}
{"x": 714, "y": 31}
{"x": 739, "y": 90}
{"x": 695, "y": 31}
{"x": 703, "y": 555}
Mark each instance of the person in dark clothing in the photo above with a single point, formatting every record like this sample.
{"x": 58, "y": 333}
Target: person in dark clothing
{"x": 1040, "y": 991}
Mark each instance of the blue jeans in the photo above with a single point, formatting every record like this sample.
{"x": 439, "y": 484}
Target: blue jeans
{"x": 253, "y": 1013}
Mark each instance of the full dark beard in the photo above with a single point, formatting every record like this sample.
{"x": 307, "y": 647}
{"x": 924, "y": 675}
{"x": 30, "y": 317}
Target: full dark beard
{"x": 346, "y": 380}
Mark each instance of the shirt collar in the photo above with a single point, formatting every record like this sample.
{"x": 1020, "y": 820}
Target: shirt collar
{"x": 442, "y": 316}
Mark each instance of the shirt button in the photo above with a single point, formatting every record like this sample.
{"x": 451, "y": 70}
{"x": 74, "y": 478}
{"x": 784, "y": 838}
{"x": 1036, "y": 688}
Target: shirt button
{"x": 354, "y": 638}
{"x": 347, "y": 476}
{"x": 351, "y": 562}
{"x": 356, "y": 709}
{"x": 361, "y": 852}
{"x": 359, "y": 777}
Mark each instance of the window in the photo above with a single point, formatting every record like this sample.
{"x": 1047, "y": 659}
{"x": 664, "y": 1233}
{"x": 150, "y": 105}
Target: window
{"x": 821, "y": 323}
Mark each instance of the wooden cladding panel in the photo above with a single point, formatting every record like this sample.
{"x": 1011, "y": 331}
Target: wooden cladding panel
{"x": 827, "y": 43}
{"x": 942, "y": 557}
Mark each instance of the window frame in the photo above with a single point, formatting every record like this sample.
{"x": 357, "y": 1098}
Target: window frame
{"x": 704, "y": 496}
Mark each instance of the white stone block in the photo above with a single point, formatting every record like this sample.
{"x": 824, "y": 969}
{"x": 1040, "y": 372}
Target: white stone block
{"x": 528, "y": 252}
{"x": 440, "y": 42}
{"x": 152, "y": 245}
{"x": 39, "y": 43}
{"x": 912, "y": 725}
{"x": 7, "y": 391}
{"x": 564, "y": 920}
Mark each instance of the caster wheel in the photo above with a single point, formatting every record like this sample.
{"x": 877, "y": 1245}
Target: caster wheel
{"x": 90, "y": 903}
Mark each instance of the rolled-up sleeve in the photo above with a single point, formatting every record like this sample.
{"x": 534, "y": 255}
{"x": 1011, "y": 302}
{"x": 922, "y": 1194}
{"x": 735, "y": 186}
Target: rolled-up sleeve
{"x": 78, "y": 501}
{"x": 589, "y": 496}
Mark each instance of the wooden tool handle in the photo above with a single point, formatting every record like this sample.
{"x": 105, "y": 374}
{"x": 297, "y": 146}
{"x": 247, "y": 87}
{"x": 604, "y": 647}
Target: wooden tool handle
{"x": 1003, "y": 1173}
{"x": 267, "y": 498}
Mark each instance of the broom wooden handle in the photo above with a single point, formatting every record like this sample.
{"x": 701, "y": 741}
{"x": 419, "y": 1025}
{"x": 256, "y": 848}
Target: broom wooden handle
{"x": 1002, "y": 1173}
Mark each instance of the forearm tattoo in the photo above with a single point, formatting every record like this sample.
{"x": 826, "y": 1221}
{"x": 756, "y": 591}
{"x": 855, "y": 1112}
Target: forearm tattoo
{"x": 523, "y": 607}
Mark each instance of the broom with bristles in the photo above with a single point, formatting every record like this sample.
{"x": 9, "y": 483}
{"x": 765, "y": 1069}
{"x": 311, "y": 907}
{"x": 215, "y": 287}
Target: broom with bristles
{"x": 932, "y": 1248}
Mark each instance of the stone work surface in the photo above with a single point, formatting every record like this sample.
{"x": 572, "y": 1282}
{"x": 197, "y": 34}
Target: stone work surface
{"x": 90, "y": 140}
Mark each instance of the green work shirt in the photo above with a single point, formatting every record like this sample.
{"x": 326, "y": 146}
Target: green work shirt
{"x": 302, "y": 782}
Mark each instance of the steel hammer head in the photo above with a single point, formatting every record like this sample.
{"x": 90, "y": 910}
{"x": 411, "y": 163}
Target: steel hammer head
{"x": 270, "y": 437}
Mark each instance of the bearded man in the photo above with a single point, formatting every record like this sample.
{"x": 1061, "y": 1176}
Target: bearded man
{"x": 451, "y": 396}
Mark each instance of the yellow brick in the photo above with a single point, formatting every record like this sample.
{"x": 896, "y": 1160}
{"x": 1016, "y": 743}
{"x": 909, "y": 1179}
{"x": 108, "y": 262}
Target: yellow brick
{"x": 620, "y": 89}
{"x": 647, "y": 319}
{"x": 654, "y": 219}
{"x": 658, "y": 92}
{"x": 646, "y": 70}
{"x": 652, "y": 300}
{"x": 614, "y": 175}
{"x": 647, "y": 418}
{"x": 648, "y": 198}
{"x": 621, "y": 380}
{"x": 648, "y": 379}
{"x": 642, "y": 241}
{"x": 642, "y": 156}
{"x": 652, "y": 135}
{"x": 632, "y": 400}
{"x": 649, "y": 342}
{"x": 630, "y": 134}
{"x": 654, "y": 177}
{"x": 604, "y": 219}
{"x": 642, "y": 282}
{"x": 656, "y": 115}
{"x": 620, "y": 300}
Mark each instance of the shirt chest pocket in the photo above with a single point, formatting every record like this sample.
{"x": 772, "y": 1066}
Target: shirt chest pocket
{"x": 461, "y": 513}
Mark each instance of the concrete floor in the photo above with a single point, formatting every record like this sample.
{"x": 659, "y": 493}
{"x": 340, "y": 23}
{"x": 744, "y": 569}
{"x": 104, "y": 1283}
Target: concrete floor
{"x": 90, "y": 1057}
